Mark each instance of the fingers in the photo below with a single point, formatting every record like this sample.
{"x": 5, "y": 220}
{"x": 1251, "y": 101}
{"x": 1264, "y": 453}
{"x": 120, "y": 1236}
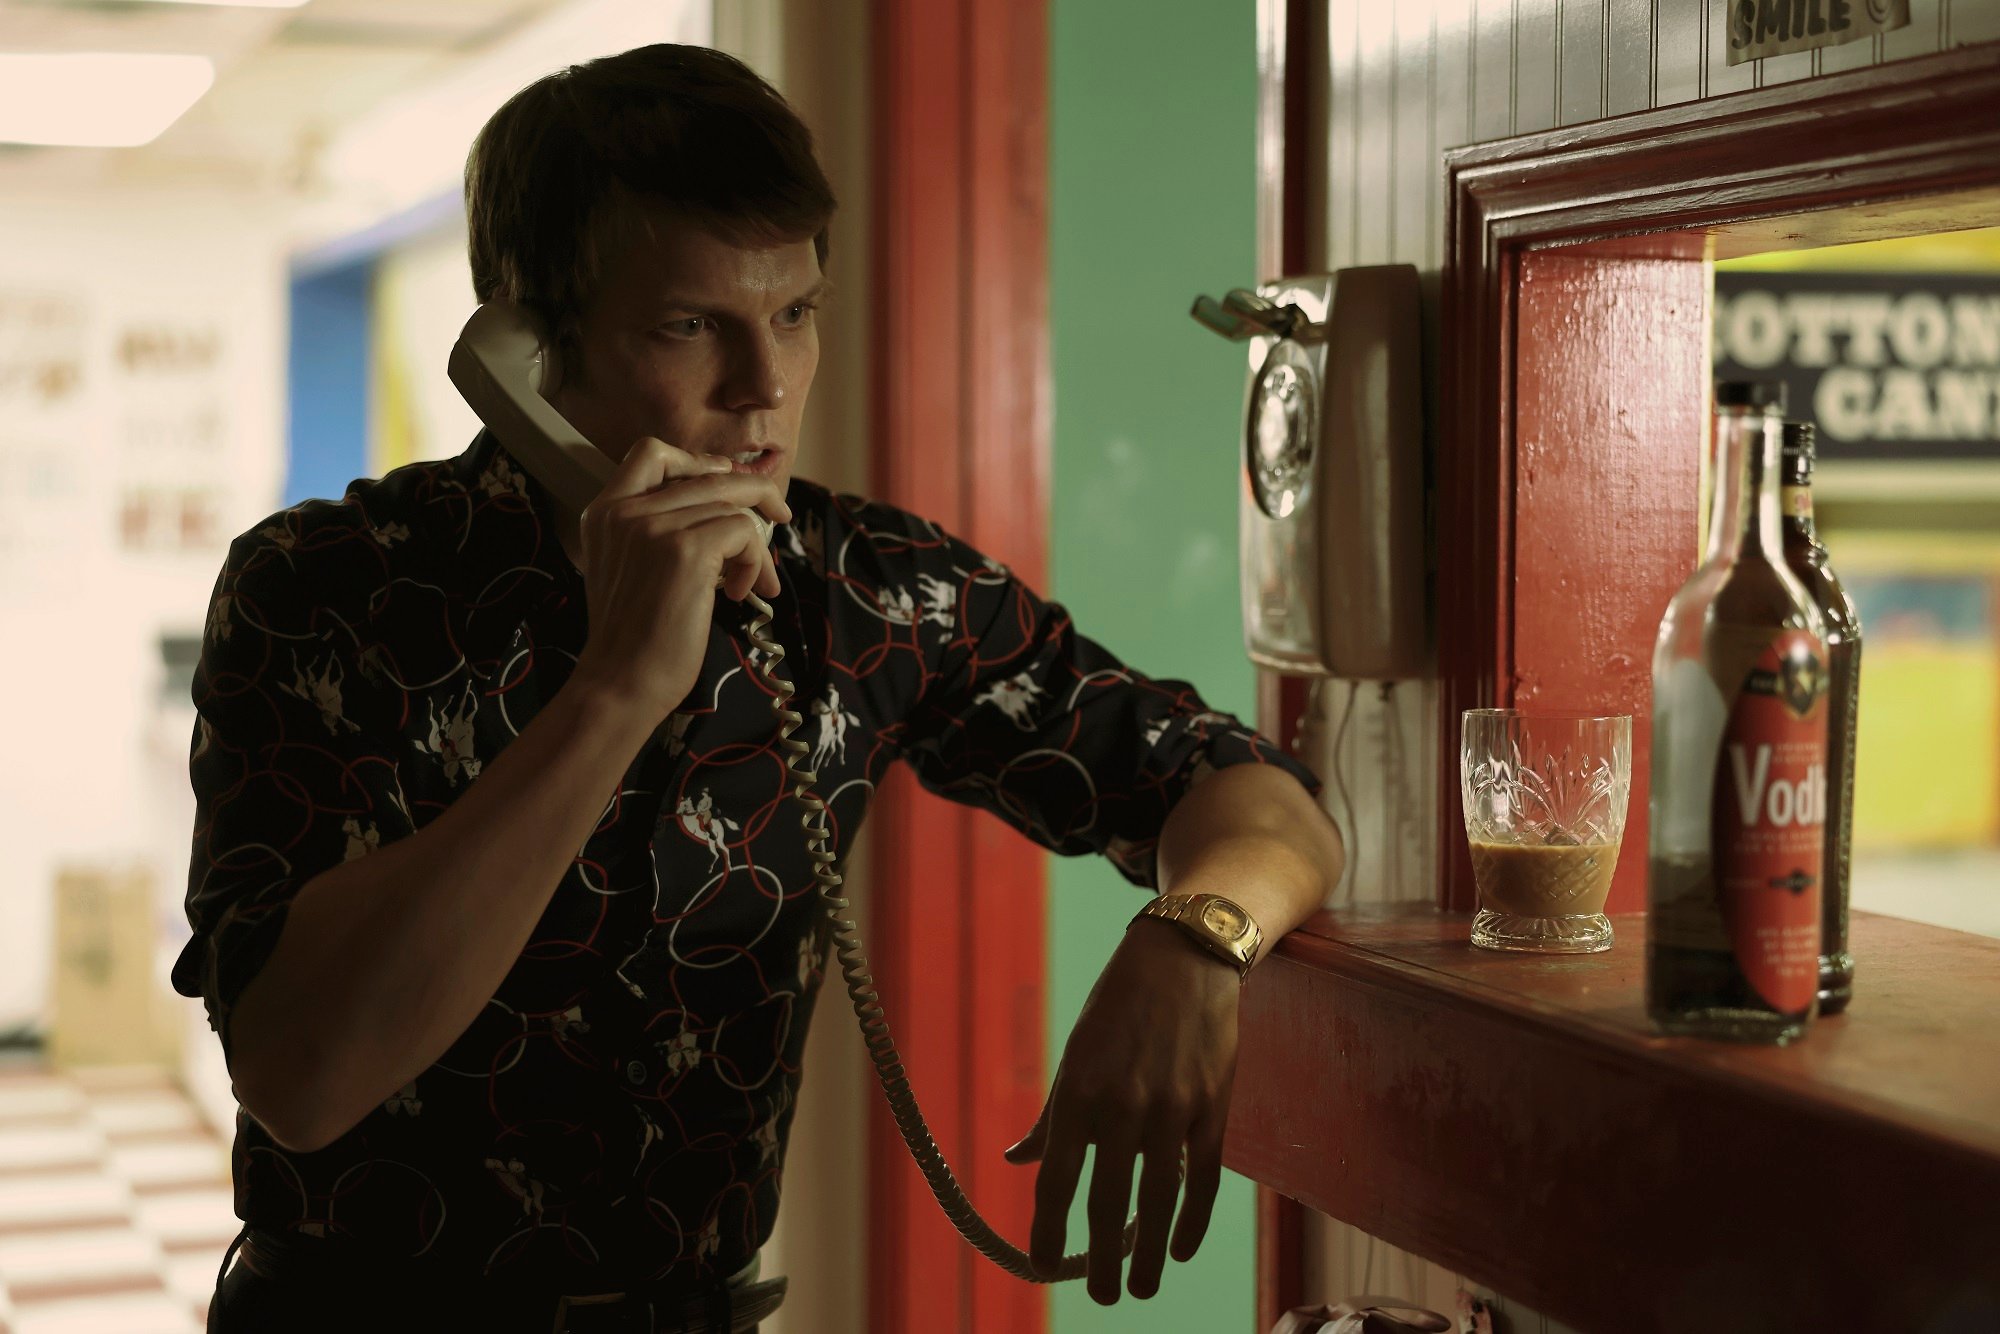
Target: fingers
{"x": 639, "y": 486}
{"x": 743, "y": 559}
{"x": 650, "y": 462}
{"x": 1110, "y": 1192}
{"x": 1159, "y": 1186}
{"x": 750, "y": 565}
{"x": 768, "y": 584}
{"x": 1204, "y": 1179}
{"x": 715, "y": 538}
{"x": 1029, "y": 1147}
{"x": 743, "y": 490}
{"x": 1055, "y": 1187}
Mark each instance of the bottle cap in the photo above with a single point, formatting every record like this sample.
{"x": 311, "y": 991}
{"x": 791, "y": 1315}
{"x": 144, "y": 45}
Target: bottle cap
{"x": 1766, "y": 394}
{"x": 1800, "y": 440}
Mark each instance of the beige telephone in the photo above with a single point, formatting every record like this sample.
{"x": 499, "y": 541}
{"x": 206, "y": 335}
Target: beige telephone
{"x": 1331, "y": 516}
{"x": 500, "y": 364}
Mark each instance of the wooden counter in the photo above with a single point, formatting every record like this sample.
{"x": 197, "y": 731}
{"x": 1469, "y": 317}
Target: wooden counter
{"x": 1514, "y": 1117}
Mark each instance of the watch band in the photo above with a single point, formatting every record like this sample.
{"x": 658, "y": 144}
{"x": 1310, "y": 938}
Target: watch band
{"x": 1217, "y": 924}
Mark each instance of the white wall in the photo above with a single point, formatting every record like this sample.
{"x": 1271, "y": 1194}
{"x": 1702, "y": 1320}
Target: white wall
{"x": 141, "y": 356}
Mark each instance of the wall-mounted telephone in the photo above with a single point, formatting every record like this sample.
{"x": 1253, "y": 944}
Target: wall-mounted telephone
{"x": 1331, "y": 516}
{"x": 502, "y": 366}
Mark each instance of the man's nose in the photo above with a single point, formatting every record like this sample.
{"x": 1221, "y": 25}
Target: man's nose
{"x": 756, "y": 376}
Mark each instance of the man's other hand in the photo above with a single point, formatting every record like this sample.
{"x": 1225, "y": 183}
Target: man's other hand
{"x": 1146, "y": 1074}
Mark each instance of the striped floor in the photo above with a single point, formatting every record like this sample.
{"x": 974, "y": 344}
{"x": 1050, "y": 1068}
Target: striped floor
{"x": 114, "y": 1204}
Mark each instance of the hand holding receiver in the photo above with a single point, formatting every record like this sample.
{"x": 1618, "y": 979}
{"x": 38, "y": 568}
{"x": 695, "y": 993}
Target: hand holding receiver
{"x": 667, "y": 531}
{"x": 658, "y": 533}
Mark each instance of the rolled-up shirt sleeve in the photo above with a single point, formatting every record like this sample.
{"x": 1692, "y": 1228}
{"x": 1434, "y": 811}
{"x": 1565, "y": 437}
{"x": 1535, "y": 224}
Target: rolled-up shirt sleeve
{"x": 1026, "y": 717}
{"x": 289, "y": 778}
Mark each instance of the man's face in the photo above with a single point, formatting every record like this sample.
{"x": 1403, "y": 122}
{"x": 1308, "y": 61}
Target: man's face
{"x": 707, "y": 345}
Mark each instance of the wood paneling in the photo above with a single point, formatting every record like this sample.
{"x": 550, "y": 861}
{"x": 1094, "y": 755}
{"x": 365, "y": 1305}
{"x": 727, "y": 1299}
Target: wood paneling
{"x": 1537, "y": 64}
{"x": 1580, "y": 90}
{"x": 1720, "y": 76}
{"x": 1925, "y": 33}
{"x": 1343, "y": 134}
{"x": 1629, "y": 55}
{"x": 1678, "y": 59}
{"x": 1451, "y": 109}
{"x": 1784, "y": 69}
{"x": 1853, "y": 55}
{"x": 1966, "y": 22}
{"x": 1411, "y": 210}
{"x": 1515, "y": 1119}
{"x": 1492, "y": 77}
{"x": 1495, "y": 68}
{"x": 1374, "y": 131}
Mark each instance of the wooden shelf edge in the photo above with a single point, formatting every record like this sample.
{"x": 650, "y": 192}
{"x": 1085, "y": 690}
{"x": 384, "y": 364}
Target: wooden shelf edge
{"x": 1512, "y": 1119}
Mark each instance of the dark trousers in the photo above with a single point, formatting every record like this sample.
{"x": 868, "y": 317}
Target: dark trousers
{"x": 249, "y": 1302}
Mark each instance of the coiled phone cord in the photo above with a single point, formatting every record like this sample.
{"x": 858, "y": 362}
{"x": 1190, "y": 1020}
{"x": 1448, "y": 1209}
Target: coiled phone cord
{"x": 861, "y": 989}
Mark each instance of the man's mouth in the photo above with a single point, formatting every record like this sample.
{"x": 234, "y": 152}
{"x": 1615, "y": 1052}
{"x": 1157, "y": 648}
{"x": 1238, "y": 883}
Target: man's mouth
{"x": 761, "y": 461}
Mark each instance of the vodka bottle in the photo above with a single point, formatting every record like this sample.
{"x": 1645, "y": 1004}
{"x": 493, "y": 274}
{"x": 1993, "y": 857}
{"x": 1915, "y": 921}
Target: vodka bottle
{"x": 1739, "y": 785}
{"x": 1807, "y": 557}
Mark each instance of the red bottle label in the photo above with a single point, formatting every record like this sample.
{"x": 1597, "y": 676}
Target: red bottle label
{"x": 1769, "y": 820}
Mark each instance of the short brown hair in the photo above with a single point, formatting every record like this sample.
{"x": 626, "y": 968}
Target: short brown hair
{"x": 683, "y": 127}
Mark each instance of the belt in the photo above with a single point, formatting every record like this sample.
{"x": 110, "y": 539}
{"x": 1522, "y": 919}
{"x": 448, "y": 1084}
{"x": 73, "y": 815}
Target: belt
{"x": 722, "y": 1306}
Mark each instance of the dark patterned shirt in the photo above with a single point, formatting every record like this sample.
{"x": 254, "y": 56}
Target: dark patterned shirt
{"x": 619, "y": 1109}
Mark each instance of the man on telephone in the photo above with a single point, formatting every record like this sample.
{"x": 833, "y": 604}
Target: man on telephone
{"x": 501, "y": 910}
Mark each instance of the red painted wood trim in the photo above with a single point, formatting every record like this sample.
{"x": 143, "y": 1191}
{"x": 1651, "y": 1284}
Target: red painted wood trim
{"x": 1008, "y": 421}
{"x": 961, "y": 425}
{"x": 1520, "y": 1124}
{"x": 1607, "y": 431}
{"x": 1844, "y": 157}
{"x": 1286, "y": 43}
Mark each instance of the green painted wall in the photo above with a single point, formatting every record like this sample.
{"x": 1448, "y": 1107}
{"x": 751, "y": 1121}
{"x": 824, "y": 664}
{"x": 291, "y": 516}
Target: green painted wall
{"x": 1153, "y": 175}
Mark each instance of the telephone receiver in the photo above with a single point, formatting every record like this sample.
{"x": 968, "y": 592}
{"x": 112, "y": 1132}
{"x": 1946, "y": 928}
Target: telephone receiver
{"x": 502, "y": 366}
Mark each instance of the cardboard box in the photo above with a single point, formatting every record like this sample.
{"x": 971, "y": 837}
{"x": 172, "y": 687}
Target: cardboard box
{"x": 109, "y": 1005}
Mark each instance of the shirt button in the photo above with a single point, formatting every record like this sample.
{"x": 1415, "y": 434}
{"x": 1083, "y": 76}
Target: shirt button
{"x": 635, "y": 1071}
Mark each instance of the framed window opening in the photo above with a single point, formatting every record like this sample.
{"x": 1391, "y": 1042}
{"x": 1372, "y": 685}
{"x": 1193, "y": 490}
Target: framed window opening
{"x": 1574, "y": 364}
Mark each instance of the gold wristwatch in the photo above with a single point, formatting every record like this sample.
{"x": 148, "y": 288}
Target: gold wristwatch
{"x": 1218, "y": 925}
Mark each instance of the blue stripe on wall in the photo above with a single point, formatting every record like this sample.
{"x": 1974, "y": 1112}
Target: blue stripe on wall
{"x": 327, "y": 438}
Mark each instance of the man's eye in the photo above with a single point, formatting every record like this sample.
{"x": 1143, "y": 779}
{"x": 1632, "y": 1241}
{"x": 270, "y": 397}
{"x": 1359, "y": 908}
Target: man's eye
{"x": 687, "y": 328}
{"x": 798, "y": 314}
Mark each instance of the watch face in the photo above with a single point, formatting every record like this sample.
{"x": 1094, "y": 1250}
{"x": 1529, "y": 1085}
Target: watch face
{"x": 1224, "y": 919}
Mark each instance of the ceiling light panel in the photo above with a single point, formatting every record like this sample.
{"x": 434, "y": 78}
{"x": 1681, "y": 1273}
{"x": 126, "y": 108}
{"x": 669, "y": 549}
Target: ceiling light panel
{"x": 97, "y": 99}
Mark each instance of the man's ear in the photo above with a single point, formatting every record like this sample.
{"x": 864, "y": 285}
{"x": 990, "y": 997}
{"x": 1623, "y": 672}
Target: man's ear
{"x": 562, "y": 357}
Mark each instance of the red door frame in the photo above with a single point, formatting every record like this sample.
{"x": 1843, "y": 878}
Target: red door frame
{"x": 1286, "y": 31}
{"x": 960, "y": 400}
